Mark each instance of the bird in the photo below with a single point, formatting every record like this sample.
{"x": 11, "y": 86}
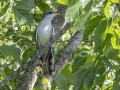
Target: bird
{"x": 43, "y": 34}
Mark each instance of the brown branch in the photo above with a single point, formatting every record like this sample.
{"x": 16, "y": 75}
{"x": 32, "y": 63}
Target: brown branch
{"x": 67, "y": 54}
{"x": 29, "y": 78}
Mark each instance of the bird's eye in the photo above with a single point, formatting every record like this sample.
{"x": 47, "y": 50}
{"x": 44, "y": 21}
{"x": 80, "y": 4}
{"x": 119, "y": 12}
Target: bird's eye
{"x": 50, "y": 12}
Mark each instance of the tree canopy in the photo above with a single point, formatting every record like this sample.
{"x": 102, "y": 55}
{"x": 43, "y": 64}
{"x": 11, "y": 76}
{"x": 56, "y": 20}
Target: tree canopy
{"x": 95, "y": 64}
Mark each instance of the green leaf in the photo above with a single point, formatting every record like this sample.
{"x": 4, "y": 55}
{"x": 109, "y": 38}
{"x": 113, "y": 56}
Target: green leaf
{"x": 106, "y": 52}
{"x": 110, "y": 22}
{"x": 61, "y": 81}
{"x": 107, "y": 9}
{"x": 81, "y": 21}
{"x": 27, "y": 34}
{"x": 72, "y": 2}
{"x": 11, "y": 49}
{"x": 87, "y": 4}
{"x": 113, "y": 54}
{"x": 77, "y": 78}
{"x": 78, "y": 61}
{"x": 89, "y": 80}
{"x": 116, "y": 85}
{"x": 54, "y": 4}
{"x": 27, "y": 54}
{"x": 66, "y": 71}
{"x": 4, "y": 8}
{"x": 43, "y": 6}
{"x": 64, "y": 2}
{"x": 90, "y": 26}
{"x": 8, "y": 71}
{"x": 23, "y": 17}
{"x": 100, "y": 34}
{"x": 72, "y": 12}
{"x": 23, "y": 5}
{"x": 106, "y": 41}
{"x": 107, "y": 64}
{"x": 53, "y": 84}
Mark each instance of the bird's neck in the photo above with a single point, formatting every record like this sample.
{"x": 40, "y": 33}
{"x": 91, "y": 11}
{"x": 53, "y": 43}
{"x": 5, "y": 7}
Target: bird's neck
{"x": 46, "y": 21}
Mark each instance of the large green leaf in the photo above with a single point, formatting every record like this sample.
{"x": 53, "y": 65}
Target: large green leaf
{"x": 86, "y": 5}
{"x": 23, "y": 17}
{"x": 100, "y": 34}
{"x": 72, "y": 2}
{"x": 61, "y": 81}
{"x": 11, "y": 49}
{"x": 24, "y": 5}
{"x": 72, "y": 12}
{"x": 90, "y": 26}
{"x": 81, "y": 21}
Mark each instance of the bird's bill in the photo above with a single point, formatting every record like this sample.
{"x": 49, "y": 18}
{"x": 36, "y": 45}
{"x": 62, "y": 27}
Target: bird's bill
{"x": 56, "y": 14}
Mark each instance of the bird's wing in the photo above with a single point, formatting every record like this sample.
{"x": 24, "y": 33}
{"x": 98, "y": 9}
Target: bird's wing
{"x": 36, "y": 39}
{"x": 48, "y": 57}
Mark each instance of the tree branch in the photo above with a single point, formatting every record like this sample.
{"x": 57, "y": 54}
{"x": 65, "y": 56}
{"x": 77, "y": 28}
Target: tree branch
{"x": 66, "y": 55}
{"x": 68, "y": 52}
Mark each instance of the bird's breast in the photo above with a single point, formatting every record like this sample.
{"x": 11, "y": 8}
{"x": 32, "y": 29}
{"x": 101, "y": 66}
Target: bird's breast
{"x": 44, "y": 33}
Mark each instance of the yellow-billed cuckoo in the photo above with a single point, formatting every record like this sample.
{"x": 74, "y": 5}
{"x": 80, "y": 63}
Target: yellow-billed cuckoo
{"x": 44, "y": 32}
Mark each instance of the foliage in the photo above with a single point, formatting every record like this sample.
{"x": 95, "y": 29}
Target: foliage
{"x": 96, "y": 64}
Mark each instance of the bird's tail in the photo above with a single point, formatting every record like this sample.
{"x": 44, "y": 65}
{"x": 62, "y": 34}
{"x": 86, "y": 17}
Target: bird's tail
{"x": 48, "y": 63}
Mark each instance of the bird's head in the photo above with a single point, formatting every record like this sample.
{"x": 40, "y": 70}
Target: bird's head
{"x": 50, "y": 14}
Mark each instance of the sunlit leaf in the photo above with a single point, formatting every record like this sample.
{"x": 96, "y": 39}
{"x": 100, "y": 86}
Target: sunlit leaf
{"x": 107, "y": 9}
{"x": 66, "y": 71}
{"x": 115, "y": 1}
{"x": 64, "y": 2}
{"x": 72, "y": 12}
